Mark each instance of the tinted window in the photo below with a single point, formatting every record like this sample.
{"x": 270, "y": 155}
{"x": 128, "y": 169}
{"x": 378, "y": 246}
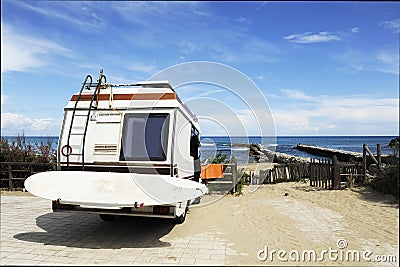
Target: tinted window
{"x": 144, "y": 137}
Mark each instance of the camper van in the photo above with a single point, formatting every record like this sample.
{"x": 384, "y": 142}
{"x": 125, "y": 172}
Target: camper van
{"x": 125, "y": 149}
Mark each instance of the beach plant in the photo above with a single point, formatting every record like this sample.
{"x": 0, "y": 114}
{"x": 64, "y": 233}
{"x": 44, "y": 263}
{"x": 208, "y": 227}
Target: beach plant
{"x": 387, "y": 179}
{"x": 22, "y": 159}
{"x": 239, "y": 187}
{"x": 22, "y": 151}
{"x": 245, "y": 177}
{"x": 220, "y": 158}
{"x": 395, "y": 145}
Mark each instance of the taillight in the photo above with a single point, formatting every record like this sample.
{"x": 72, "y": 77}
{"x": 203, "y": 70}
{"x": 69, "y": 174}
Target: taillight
{"x": 138, "y": 205}
{"x": 160, "y": 210}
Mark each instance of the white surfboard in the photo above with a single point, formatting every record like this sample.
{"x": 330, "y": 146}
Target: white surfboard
{"x": 112, "y": 190}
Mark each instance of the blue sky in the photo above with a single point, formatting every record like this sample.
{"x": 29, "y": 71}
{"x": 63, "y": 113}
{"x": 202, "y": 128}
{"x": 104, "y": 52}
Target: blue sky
{"x": 325, "y": 68}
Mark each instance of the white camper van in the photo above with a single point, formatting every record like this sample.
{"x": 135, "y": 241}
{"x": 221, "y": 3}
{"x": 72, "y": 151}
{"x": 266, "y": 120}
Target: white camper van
{"x": 128, "y": 149}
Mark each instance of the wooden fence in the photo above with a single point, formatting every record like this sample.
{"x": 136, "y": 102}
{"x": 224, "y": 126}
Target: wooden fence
{"x": 332, "y": 174}
{"x": 283, "y": 172}
{"x": 324, "y": 173}
{"x": 321, "y": 173}
{"x": 349, "y": 172}
{"x": 13, "y": 174}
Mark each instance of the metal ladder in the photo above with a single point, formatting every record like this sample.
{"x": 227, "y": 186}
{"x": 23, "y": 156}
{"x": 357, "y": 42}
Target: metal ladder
{"x": 87, "y": 115}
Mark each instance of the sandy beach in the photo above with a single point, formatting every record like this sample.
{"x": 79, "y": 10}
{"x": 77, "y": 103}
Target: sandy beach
{"x": 306, "y": 218}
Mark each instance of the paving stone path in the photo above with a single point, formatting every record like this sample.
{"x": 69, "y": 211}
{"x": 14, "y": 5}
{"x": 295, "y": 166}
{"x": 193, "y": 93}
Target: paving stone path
{"x": 31, "y": 234}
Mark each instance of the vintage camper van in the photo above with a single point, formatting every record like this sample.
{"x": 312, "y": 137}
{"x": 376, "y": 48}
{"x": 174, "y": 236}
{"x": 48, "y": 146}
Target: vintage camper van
{"x": 129, "y": 149}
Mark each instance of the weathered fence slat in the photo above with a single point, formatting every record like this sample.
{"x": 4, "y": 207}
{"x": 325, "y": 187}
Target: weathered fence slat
{"x": 13, "y": 174}
{"x": 283, "y": 172}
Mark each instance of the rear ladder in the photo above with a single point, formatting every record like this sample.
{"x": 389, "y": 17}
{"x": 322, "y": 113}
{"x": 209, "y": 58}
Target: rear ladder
{"x": 89, "y": 86}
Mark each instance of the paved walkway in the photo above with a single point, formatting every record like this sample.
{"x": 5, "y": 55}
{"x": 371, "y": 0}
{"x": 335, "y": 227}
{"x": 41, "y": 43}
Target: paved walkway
{"x": 31, "y": 234}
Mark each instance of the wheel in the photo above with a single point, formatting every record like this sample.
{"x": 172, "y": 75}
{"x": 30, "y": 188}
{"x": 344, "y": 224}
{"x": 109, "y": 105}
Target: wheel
{"x": 180, "y": 219}
{"x": 196, "y": 201}
{"x": 107, "y": 217}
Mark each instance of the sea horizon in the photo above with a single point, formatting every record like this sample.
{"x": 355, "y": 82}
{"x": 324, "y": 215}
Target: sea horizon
{"x": 241, "y": 136}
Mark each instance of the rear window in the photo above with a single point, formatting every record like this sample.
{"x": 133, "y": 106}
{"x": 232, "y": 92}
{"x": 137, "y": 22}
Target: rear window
{"x": 144, "y": 137}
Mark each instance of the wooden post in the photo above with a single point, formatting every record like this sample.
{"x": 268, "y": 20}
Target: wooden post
{"x": 319, "y": 173}
{"x": 364, "y": 162}
{"x": 234, "y": 174}
{"x": 287, "y": 173}
{"x": 350, "y": 180}
{"x": 330, "y": 174}
{"x": 378, "y": 154}
{"x": 327, "y": 166}
{"x": 336, "y": 173}
{"x": 310, "y": 173}
{"x": 10, "y": 184}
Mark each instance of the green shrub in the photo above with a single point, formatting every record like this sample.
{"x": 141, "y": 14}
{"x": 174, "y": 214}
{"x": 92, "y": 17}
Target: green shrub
{"x": 21, "y": 151}
{"x": 220, "y": 158}
{"x": 387, "y": 180}
{"x": 239, "y": 186}
{"x": 39, "y": 156}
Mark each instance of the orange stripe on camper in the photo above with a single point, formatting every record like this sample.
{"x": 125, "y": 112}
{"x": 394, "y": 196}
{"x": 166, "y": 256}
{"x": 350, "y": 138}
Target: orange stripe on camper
{"x": 89, "y": 97}
{"x": 212, "y": 171}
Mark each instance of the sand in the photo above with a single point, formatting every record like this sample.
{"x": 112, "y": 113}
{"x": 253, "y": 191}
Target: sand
{"x": 294, "y": 216}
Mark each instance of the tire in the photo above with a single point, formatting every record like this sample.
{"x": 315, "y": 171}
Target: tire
{"x": 196, "y": 201}
{"x": 107, "y": 217}
{"x": 180, "y": 219}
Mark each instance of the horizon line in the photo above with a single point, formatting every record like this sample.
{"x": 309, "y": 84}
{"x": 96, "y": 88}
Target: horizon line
{"x": 235, "y": 136}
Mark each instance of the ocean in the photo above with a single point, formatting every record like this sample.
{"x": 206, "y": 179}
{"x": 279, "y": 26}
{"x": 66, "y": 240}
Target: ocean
{"x": 211, "y": 145}
{"x": 287, "y": 144}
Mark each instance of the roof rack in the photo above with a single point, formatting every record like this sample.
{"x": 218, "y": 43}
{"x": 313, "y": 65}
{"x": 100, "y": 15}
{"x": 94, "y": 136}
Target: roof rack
{"x": 143, "y": 84}
{"x": 155, "y": 84}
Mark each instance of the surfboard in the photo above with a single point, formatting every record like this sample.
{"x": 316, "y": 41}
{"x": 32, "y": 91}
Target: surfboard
{"x": 112, "y": 190}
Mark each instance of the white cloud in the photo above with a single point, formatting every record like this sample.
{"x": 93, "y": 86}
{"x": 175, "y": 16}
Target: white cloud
{"x": 385, "y": 60}
{"x": 77, "y": 14}
{"x": 355, "y": 29}
{"x": 140, "y": 67}
{"x": 22, "y": 52}
{"x": 295, "y": 94}
{"x": 200, "y": 13}
{"x": 13, "y": 123}
{"x": 252, "y": 50}
{"x": 393, "y": 25}
{"x": 309, "y": 37}
{"x": 388, "y": 61}
{"x": 244, "y": 20}
{"x": 189, "y": 48}
{"x": 336, "y": 115}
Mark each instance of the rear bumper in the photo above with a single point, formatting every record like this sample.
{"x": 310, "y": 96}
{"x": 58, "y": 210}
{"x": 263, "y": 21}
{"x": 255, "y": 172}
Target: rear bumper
{"x": 164, "y": 211}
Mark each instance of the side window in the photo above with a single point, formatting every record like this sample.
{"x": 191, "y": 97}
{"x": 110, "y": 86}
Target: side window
{"x": 194, "y": 143}
{"x": 145, "y": 137}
